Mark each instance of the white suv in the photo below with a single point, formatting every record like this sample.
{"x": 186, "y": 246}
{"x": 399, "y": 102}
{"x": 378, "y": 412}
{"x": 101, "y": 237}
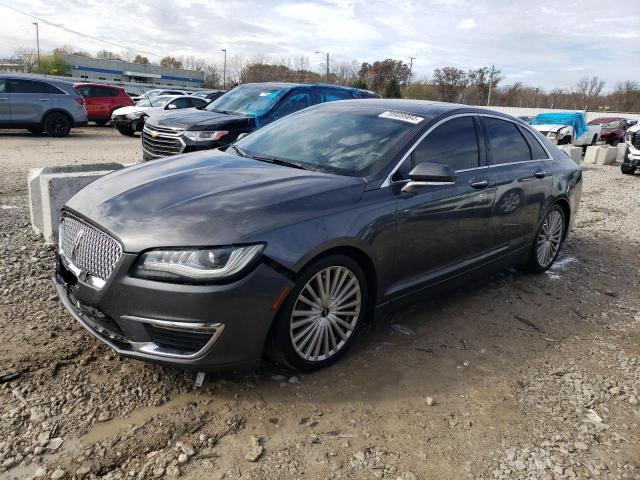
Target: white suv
{"x": 632, "y": 159}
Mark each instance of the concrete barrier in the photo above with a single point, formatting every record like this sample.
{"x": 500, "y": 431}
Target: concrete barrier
{"x": 591, "y": 154}
{"x": 573, "y": 152}
{"x": 51, "y": 187}
{"x": 606, "y": 155}
{"x": 623, "y": 148}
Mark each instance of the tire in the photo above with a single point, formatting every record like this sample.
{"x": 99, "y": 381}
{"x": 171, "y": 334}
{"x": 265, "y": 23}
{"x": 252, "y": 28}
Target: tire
{"x": 627, "y": 170}
{"x": 57, "y": 124}
{"x": 36, "y": 130}
{"x": 614, "y": 142}
{"x": 322, "y": 335}
{"x": 594, "y": 140}
{"x": 549, "y": 235}
{"x": 101, "y": 123}
{"x": 126, "y": 130}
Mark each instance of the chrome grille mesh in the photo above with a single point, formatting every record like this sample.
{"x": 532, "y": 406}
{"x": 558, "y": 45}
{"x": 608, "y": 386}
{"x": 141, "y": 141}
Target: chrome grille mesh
{"x": 92, "y": 251}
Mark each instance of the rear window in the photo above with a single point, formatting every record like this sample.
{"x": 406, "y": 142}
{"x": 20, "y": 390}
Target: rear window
{"x": 537, "y": 152}
{"x": 506, "y": 142}
{"x": 32, "y": 86}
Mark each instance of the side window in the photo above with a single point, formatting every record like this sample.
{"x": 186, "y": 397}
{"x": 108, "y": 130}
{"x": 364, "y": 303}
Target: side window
{"x": 182, "y": 102}
{"x": 2, "y": 86}
{"x": 506, "y": 143}
{"x": 293, "y": 103}
{"x": 85, "y": 91}
{"x": 30, "y": 86}
{"x": 537, "y": 152}
{"x": 333, "y": 95}
{"x": 198, "y": 102}
{"x": 453, "y": 143}
{"x": 103, "y": 92}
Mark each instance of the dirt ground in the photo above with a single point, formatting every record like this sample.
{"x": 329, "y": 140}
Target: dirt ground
{"x": 519, "y": 376}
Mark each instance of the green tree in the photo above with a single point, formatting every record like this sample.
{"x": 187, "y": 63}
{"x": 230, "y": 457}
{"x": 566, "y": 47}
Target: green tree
{"x": 392, "y": 88}
{"x": 52, "y": 64}
{"x": 377, "y": 74}
{"x": 449, "y": 82}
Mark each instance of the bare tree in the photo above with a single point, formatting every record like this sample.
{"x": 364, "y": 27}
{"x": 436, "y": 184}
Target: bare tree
{"x": 586, "y": 91}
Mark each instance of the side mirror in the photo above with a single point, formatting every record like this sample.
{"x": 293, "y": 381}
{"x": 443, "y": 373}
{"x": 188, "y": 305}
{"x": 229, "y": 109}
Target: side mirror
{"x": 242, "y": 135}
{"x": 171, "y": 106}
{"x": 429, "y": 173}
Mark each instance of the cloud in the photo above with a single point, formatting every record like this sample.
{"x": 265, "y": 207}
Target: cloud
{"x": 517, "y": 37}
{"x": 466, "y": 24}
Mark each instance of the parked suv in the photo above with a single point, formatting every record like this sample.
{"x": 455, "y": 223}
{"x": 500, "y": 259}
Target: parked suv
{"x": 40, "y": 105}
{"x": 241, "y": 110}
{"x": 632, "y": 158}
{"x": 102, "y": 100}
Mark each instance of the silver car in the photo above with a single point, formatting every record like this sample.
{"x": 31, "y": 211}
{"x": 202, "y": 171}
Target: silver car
{"x": 40, "y": 105}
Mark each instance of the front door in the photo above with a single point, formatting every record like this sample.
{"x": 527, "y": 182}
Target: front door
{"x": 29, "y": 100}
{"x": 443, "y": 229}
{"x": 5, "y": 103}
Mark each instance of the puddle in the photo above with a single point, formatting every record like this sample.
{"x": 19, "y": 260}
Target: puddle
{"x": 558, "y": 266}
{"x": 103, "y": 430}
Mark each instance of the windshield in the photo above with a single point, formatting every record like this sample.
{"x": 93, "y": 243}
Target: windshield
{"x": 606, "y": 124}
{"x": 353, "y": 142}
{"x": 247, "y": 100}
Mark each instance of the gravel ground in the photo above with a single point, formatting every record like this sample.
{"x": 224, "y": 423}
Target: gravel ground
{"x": 517, "y": 377}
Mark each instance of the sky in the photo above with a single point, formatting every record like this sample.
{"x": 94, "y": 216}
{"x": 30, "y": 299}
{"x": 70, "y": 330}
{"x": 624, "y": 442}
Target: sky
{"x": 542, "y": 44}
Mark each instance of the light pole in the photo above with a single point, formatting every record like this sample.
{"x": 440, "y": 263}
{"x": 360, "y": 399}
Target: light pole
{"x": 224, "y": 70}
{"x": 411, "y": 59}
{"x": 327, "y": 66}
{"x": 490, "y": 86}
{"x": 37, "y": 43}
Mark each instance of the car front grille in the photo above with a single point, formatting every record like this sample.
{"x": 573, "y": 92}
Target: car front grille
{"x": 161, "y": 142}
{"x": 88, "y": 248}
{"x": 635, "y": 139}
{"x": 182, "y": 341}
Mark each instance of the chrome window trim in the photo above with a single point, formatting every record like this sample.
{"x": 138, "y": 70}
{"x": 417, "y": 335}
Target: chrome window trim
{"x": 388, "y": 181}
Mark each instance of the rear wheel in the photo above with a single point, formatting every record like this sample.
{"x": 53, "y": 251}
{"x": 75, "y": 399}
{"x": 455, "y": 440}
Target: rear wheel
{"x": 548, "y": 240}
{"x": 319, "y": 319}
{"x": 57, "y": 124}
{"x": 126, "y": 130}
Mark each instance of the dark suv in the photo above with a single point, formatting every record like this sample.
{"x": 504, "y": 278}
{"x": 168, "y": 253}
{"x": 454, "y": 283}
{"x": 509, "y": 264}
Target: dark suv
{"x": 40, "y": 105}
{"x": 241, "y": 110}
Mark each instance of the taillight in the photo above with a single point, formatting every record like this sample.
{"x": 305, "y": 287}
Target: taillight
{"x": 80, "y": 100}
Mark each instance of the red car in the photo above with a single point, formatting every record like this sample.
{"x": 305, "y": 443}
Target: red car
{"x": 613, "y": 129}
{"x": 102, "y": 100}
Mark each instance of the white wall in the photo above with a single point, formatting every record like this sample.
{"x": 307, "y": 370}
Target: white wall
{"x": 518, "y": 111}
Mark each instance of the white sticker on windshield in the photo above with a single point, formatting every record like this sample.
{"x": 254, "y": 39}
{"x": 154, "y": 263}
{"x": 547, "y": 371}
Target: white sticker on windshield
{"x": 264, "y": 94}
{"x": 405, "y": 117}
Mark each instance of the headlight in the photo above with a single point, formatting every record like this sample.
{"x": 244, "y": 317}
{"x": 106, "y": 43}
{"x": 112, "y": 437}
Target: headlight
{"x": 205, "y": 136}
{"x": 552, "y": 135}
{"x": 135, "y": 115}
{"x": 196, "y": 264}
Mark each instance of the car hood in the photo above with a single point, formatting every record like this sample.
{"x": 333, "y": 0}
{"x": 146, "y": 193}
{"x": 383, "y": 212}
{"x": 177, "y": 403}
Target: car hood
{"x": 131, "y": 109}
{"x": 548, "y": 127}
{"x": 194, "y": 119}
{"x": 208, "y": 198}
{"x": 611, "y": 131}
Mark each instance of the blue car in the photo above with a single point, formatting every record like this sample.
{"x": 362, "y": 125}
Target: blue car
{"x": 241, "y": 110}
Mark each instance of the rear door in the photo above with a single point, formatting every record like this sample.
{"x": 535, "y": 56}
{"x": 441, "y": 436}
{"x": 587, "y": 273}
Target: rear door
{"x": 103, "y": 101}
{"x": 520, "y": 168}
{"x": 89, "y": 102}
{"x": 5, "y": 103}
{"x": 29, "y": 99}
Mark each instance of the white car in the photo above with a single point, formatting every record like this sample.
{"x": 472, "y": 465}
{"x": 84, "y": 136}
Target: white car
{"x": 567, "y": 128}
{"x": 129, "y": 120}
{"x": 632, "y": 159}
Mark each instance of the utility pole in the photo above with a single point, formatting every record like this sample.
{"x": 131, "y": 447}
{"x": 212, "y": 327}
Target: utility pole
{"x": 224, "y": 70}
{"x": 37, "y": 43}
{"x": 327, "y": 74}
{"x": 490, "y": 86}
{"x": 411, "y": 59}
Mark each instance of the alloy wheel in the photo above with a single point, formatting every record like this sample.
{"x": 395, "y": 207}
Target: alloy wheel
{"x": 325, "y": 314}
{"x": 549, "y": 238}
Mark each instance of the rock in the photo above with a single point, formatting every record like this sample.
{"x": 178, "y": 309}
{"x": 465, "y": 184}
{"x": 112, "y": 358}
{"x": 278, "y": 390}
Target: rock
{"x": 614, "y": 390}
{"x": 402, "y": 329}
{"x": 188, "y": 450}
{"x": 256, "y": 450}
{"x": 359, "y": 456}
{"x": 104, "y": 416}
{"x": 183, "y": 458}
{"x": 278, "y": 378}
{"x": 41, "y": 472}
{"x": 633, "y": 400}
{"x": 581, "y": 446}
{"x": 173, "y": 471}
{"x": 54, "y": 443}
{"x": 430, "y": 401}
{"x": 43, "y": 438}
{"x": 158, "y": 472}
{"x": 58, "y": 474}
{"x": 82, "y": 471}
{"x": 294, "y": 379}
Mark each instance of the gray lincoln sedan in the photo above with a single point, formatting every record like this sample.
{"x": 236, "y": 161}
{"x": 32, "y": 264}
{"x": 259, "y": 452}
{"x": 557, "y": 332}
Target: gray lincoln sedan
{"x": 302, "y": 231}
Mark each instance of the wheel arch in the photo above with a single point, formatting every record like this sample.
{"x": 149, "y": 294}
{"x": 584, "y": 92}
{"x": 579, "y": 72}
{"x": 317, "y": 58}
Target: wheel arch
{"x": 56, "y": 110}
{"x": 566, "y": 207}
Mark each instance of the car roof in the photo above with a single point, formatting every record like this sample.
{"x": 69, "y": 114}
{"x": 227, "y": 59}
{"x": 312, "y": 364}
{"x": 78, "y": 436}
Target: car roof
{"x": 89, "y": 84}
{"x": 426, "y": 108}
{"x": 290, "y": 86}
{"x": 52, "y": 81}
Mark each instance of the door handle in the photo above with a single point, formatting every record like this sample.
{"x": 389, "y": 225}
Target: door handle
{"x": 479, "y": 184}
{"x": 540, "y": 173}
{"x": 44, "y": 99}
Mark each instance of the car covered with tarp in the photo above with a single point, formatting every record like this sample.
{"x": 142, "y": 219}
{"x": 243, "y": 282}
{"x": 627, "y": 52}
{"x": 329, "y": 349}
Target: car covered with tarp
{"x": 564, "y": 128}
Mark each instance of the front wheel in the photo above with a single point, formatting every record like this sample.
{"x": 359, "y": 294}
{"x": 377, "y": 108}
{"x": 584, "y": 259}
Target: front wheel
{"x": 548, "y": 240}
{"x": 319, "y": 319}
{"x": 126, "y": 130}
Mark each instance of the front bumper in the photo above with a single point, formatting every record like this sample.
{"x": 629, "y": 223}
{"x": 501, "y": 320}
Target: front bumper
{"x": 122, "y": 121}
{"x": 203, "y": 327}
